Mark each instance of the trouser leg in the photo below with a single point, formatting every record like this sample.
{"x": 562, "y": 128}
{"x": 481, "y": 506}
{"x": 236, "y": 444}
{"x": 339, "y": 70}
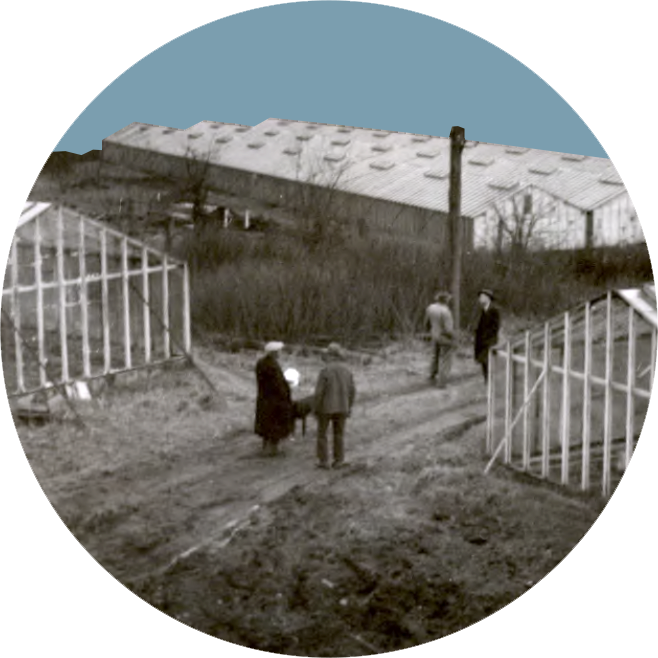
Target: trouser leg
{"x": 339, "y": 437}
{"x": 445, "y": 364}
{"x": 321, "y": 443}
{"x": 434, "y": 363}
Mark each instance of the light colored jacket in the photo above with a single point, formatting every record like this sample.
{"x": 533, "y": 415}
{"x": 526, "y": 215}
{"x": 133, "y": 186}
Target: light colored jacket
{"x": 334, "y": 390}
{"x": 440, "y": 319}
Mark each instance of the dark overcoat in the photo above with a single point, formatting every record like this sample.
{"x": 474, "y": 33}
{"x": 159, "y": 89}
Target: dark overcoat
{"x": 274, "y": 412}
{"x": 486, "y": 334}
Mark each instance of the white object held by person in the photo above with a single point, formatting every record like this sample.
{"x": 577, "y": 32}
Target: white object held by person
{"x": 292, "y": 377}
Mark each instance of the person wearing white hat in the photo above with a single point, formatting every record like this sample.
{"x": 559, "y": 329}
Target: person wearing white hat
{"x": 334, "y": 398}
{"x": 274, "y": 411}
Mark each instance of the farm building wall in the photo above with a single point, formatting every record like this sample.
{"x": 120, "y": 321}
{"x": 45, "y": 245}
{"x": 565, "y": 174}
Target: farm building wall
{"x": 616, "y": 223}
{"x": 377, "y": 214}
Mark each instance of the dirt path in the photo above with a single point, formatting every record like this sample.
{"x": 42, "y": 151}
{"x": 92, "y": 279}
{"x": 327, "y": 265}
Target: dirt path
{"x": 141, "y": 518}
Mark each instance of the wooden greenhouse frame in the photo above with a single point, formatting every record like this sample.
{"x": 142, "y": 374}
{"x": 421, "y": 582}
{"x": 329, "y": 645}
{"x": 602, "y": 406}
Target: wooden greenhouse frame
{"x": 82, "y": 301}
{"x": 566, "y": 400}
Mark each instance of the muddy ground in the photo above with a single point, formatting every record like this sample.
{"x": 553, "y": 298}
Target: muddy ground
{"x": 166, "y": 487}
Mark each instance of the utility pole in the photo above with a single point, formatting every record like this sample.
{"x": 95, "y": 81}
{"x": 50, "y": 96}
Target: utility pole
{"x": 457, "y": 141}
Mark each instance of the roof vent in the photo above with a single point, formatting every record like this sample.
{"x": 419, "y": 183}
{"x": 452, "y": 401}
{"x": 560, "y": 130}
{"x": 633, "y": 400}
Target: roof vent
{"x": 195, "y": 135}
{"x": 344, "y": 129}
{"x": 437, "y": 174}
{"x": 143, "y": 129}
{"x": 304, "y": 138}
{"x": 255, "y": 145}
{"x": 573, "y": 157}
{"x": 542, "y": 170}
{"x": 611, "y": 179}
{"x": 224, "y": 139}
{"x": 382, "y": 165}
{"x": 334, "y": 157}
{"x": 312, "y": 126}
{"x": 341, "y": 141}
{"x": 481, "y": 161}
{"x": 292, "y": 150}
{"x": 214, "y": 126}
{"x": 516, "y": 150}
{"x": 420, "y": 138}
{"x": 242, "y": 129}
{"x": 381, "y": 148}
{"x": 505, "y": 185}
{"x": 428, "y": 153}
{"x": 380, "y": 134}
{"x": 283, "y": 123}
{"x": 271, "y": 132}
{"x": 168, "y": 131}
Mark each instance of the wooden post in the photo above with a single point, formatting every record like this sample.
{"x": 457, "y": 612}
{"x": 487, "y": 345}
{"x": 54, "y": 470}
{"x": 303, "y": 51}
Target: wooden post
{"x": 16, "y": 304}
{"x": 587, "y": 398}
{"x": 607, "y": 409}
{"x": 457, "y": 140}
{"x": 526, "y": 394}
{"x": 84, "y": 307}
{"x": 146, "y": 293}
{"x": 565, "y": 427}
{"x": 105, "y": 305}
{"x": 63, "y": 333}
{"x": 651, "y": 468}
{"x": 491, "y": 405}
{"x": 246, "y": 219}
{"x": 38, "y": 280}
{"x": 509, "y": 401}
{"x": 187, "y": 329}
{"x": 165, "y": 307}
{"x": 630, "y": 381}
{"x": 546, "y": 411}
{"x": 126, "y": 305}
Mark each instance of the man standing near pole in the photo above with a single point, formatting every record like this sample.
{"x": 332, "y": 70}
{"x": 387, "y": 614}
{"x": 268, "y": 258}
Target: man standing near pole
{"x": 439, "y": 317}
{"x": 486, "y": 334}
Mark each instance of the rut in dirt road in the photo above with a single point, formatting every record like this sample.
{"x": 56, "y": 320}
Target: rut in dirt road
{"x": 208, "y": 502}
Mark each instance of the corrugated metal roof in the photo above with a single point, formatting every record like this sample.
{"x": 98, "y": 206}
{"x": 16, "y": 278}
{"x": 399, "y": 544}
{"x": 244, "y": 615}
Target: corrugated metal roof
{"x": 342, "y": 156}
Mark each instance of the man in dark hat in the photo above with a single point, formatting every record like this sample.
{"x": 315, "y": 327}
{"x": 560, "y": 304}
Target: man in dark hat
{"x": 486, "y": 334}
{"x": 439, "y": 316}
{"x": 274, "y": 411}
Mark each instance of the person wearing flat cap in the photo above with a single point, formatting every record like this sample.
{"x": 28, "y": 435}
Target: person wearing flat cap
{"x": 334, "y": 398}
{"x": 486, "y": 333}
{"x": 439, "y": 317}
{"x": 274, "y": 410}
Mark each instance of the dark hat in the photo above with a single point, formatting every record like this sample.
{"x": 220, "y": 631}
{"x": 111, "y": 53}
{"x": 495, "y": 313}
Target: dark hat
{"x": 335, "y": 350}
{"x": 487, "y": 292}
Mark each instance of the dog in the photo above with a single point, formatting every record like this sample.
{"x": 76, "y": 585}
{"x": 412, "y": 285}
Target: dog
{"x": 301, "y": 409}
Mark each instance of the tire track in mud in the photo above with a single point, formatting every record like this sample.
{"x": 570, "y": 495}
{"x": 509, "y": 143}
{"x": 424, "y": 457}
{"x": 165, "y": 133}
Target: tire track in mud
{"x": 170, "y": 509}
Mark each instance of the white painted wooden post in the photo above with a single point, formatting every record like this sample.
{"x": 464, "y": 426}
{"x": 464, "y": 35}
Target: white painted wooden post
{"x": 526, "y": 395}
{"x": 246, "y": 220}
{"x": 187, "y": 329}
{"x": 63, "y": 333}
{"x": 227, "y": 215}
{"x": 16, "y": 312}
{"x": 565, "y": 428}
{"x": 651, "y": 468}
{"x": 146, "y": 294}
{"x": 587, "y": 398}
{"x": 607, "y": 408}
{"x": 509, "y": 401}
{"x": 126, "y": 305}
{"x": 630, "y": 382}
{"x": 84, "y": 307}
{"x": 38, "y": 281}
{"x": 165, "y": 306}
{"x": 546, "y": 411}
{"x": 105, "y": 303}
{"x": 491, "y": 406}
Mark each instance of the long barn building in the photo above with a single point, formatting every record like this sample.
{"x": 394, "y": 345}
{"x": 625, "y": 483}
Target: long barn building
{"x": 394, "y": 182}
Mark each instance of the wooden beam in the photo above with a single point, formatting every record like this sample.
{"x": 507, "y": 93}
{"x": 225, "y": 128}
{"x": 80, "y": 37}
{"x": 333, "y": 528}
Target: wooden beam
{"x": 651, "y": 470}
{"x": 526, "y": 395}
{"x": 165, "y": 307}
{"x": 63, "y": 332}
{"x": 16, "y": 313}
{"x": 630, "y": 400}
{"x": 127, "y": 343}
{"x": 457, "y": 141}
{"x": 546, "y": 411}
{"x": 565, "y": 427}
{"x": 38, "y": 280}
{"x": 587, "y": 400}
{"x": 509, "y": 402}
{"x": 607, "y": 401}
{"x": 187, "y": 328}
{"x": 105, "y": 306}
{"x": 146, "y": 292}
{"x": 84, "y": 303}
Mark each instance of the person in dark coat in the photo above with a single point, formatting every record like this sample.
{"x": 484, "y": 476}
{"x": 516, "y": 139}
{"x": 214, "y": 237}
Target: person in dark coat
{"x": 486, "y": 334}
{"x": 274, "y": 409}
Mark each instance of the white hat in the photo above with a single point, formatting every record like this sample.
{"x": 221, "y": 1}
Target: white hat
{"x": 273, "y": 346}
